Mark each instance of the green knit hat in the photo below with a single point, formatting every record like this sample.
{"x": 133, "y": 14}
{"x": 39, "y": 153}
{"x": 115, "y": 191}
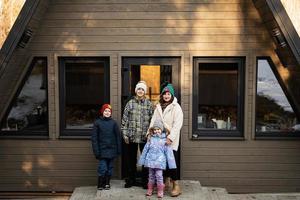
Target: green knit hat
{"x": 169, "y": 88}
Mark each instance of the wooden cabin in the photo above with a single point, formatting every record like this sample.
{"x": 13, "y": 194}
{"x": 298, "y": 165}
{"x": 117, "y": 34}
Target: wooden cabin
{"x": 235, "y": 66}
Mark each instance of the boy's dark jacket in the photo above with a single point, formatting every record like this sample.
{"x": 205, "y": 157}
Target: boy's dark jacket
{"x": 106, "y": 140}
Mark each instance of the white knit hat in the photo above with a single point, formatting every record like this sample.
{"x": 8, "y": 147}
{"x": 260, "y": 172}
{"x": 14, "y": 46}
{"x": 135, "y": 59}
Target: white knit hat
{"x": 141, "y": 84}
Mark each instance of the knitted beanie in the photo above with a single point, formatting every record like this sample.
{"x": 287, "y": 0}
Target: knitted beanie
{"x": 168, "y": 88}
{"x": 158, "y": 124}
{"x": 104, "y": 106}
{"x": 141, "y": 84}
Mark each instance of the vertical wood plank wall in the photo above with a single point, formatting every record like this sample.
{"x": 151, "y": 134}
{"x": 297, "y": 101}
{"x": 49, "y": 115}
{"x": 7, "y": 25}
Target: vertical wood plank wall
{"x": 183, "y": 28}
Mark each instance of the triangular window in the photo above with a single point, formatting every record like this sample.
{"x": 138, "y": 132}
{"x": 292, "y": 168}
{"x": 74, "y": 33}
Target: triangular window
{"x": 275, "y": 115}
{"x": 28, "y": 114}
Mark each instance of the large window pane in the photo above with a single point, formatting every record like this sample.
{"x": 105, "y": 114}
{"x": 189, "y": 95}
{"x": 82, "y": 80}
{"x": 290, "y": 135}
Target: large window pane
{"x": 218, "y": 102}
{"x": 85, "y": 88}
{"x": 29, "y": 113}
{"x": 217, "y": 105}
{"x": 274, "y": 114}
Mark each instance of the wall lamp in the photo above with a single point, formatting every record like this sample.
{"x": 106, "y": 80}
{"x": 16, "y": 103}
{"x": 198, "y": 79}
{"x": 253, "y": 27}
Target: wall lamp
{"x": 276, "y": 33}
{"x": 25, "y": 38}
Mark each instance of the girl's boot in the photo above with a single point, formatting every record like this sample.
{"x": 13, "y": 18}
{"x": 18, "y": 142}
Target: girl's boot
{"x": 100, "y": 182}
{"x": 150, "y": 189}
{"x": 160, "y": 190}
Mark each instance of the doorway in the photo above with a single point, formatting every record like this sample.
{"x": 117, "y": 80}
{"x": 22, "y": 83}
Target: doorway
{"x": 154, "y": 71}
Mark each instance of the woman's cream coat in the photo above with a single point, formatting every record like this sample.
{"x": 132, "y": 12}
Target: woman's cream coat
{"x": 172, "y": 118}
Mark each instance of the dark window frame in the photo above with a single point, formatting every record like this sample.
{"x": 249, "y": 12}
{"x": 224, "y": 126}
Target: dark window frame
{"x": 62, "y": 60}
{"x": 271, "y": 134}
{"x": 28, "y": 133}
{"x": 219, "y": 134}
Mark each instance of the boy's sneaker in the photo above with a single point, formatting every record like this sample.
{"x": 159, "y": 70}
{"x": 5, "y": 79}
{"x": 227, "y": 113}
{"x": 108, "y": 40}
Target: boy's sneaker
{"x": 107, "y": 187}
{"x": 107, "y": 183}
{"x": 100, "y": 183}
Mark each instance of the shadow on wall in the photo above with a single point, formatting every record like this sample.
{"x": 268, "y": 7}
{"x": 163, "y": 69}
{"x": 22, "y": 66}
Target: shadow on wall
{"x": 44, "y": 167}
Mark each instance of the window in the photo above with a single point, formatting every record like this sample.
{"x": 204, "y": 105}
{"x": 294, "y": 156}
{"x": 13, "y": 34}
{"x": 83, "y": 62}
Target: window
{"x": 28, "y": 114}
{"x": 218, "y": 85}
{"x": 275, "y": 115}
{"x": 84, "y": 86}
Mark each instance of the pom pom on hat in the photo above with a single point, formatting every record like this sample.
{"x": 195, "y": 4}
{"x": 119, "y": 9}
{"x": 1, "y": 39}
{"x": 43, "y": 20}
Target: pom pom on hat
{"x": 104, "y": 106}
{"x": 141, "y": 84}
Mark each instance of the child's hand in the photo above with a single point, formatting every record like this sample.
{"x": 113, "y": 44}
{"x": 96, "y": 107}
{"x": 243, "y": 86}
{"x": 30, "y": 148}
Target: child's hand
{"x": 126, "y": 140}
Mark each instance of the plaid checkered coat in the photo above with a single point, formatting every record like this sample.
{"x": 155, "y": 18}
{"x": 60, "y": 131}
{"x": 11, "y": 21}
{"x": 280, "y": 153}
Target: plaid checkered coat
{"x": 136, "y": 119}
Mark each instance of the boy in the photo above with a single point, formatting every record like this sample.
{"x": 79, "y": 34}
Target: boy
{"x": 106, "y": 144}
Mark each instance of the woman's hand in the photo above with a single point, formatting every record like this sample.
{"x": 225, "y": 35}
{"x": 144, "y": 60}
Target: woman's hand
{"x": 168, "y": 142}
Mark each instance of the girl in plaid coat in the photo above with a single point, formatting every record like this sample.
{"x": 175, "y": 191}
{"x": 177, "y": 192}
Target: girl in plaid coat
{"x": 135, "y": 123}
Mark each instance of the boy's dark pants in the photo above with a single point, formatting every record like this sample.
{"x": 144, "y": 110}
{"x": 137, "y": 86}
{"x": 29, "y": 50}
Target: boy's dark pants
{"x": 105, "y": 170}
{"x": 131, "y": 151}
{"x": 105, "y": 167}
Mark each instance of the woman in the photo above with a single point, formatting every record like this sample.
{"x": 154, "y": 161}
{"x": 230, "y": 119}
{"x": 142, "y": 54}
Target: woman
{"x": 170, "y": 113}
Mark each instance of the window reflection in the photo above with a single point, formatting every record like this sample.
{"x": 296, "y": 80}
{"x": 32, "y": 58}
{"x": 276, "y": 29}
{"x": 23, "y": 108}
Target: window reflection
{"x": 84, "y": 93}
{"x": 29, "y": 111}
{"x": 151, "y": 75}
{"x": 218, "y": 96}
{"x": 274, "y": 113}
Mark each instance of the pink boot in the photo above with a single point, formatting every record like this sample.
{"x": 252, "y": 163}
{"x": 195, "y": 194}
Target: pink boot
{"x": 160, "y": 190}
{"x": 150, "y": 189}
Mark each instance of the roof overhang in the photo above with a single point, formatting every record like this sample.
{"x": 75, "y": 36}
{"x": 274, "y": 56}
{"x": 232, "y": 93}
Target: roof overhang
{"x": 19, "y": 33}
{"x": 282, "y": 30}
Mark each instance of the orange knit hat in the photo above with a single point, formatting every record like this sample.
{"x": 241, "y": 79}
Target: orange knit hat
{"x": 104, "y": 106}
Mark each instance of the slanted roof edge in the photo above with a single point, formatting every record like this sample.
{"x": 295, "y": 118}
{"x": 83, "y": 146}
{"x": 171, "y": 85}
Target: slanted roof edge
{"x": 12, "y": 40}
{"x": 286, "y": 26}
